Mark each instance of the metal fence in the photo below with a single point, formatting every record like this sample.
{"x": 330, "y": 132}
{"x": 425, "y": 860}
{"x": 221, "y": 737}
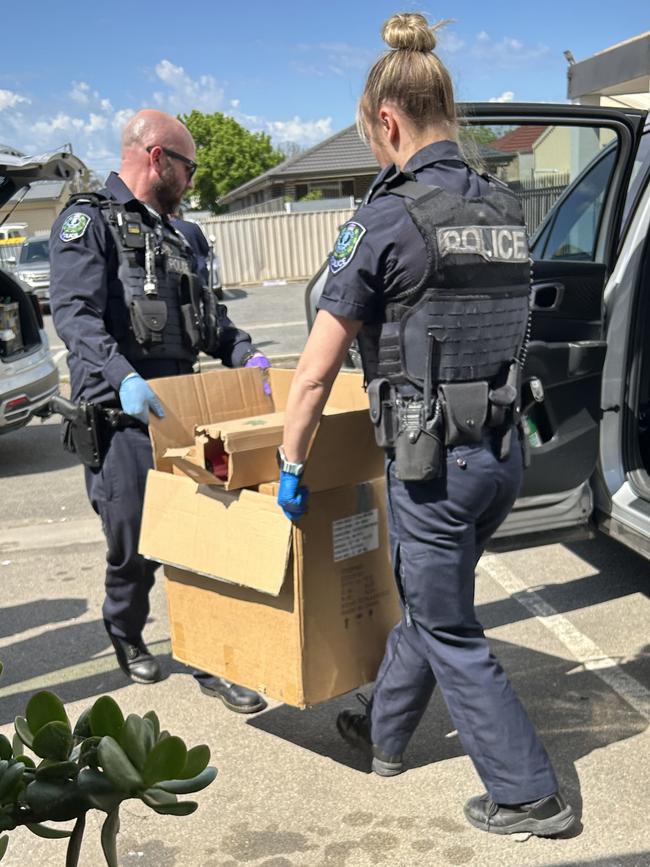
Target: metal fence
{"x": 538, "y": 196}
{"x": 254, "y": 247}
{"x": 262, "y": 247}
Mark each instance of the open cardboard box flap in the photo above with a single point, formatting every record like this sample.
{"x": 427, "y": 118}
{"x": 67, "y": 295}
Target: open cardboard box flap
{"x": 200, "y": 528}
{"x": 343, "y": 450}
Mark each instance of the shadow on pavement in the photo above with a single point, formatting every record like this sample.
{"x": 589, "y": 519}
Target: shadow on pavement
{"x": 633, "y": 859}
{"x": 42, "y": 443}
{"x": 29, "y": 615}
{"x": 573, "y": 710}
{"x": 234, "y": 294}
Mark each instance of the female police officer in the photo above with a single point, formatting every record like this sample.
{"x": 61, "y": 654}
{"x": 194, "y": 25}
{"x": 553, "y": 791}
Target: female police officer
{"x": 433, "y": 274}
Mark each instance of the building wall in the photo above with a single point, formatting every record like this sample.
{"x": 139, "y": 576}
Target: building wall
{"x": 39, "y": 215}
{"x": 552, "y": 151}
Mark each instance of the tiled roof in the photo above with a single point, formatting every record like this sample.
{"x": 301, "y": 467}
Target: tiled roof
{"x": 519, "y": 140}
{"x": 344, "y": 151}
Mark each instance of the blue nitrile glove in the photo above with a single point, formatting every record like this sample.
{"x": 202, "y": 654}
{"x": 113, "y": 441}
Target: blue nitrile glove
{"x": 137, "y": 398}
{"x": 260, "y": 360}
{"x": 292, "y": 498}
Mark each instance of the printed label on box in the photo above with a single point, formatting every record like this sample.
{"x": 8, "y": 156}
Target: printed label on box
{"x": 355, "y": 535}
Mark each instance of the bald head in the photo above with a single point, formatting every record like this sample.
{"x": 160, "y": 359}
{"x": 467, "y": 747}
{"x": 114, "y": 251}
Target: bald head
{"x": 156, "y": 152}
{"x": 151, "y": 127}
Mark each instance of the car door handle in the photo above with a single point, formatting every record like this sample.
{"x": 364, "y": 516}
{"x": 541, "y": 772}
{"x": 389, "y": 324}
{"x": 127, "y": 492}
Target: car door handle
{"x": 546, "y": 296}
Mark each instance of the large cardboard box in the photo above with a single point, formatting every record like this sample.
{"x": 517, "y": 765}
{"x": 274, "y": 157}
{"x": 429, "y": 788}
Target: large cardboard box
{"x": 299, "y": 612}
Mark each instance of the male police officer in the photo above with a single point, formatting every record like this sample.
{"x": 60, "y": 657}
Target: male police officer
{"x": 127, "y": 303}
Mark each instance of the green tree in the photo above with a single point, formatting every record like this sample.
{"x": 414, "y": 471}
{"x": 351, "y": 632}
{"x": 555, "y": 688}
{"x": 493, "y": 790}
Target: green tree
{"x": 228, "y": 155}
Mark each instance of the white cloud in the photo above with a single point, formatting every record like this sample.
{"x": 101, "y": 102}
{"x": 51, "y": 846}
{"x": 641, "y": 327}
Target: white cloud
{"x": 88, "y": 120}
{"x": 340, "y": 58}
{"x": 449, "y": 43}
{"x": 9, "y": 99}
{"x": 184, "y": 93}
{"x": 80, "y": 92}
{"x": 506, "y": 96}
{"x": 303, "y": 132}
{"x": 506, "y": 52}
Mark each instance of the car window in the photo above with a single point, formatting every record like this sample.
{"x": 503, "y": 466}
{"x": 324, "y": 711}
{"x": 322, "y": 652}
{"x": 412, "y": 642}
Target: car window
{"x": 560, "y": 174}
{"x": 574, "y": 232}
{"x": 34, "y": 251}
{"x": 640, "y": 171}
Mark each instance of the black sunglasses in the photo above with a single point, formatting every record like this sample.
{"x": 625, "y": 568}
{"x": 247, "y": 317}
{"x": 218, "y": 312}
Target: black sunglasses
{"x": 191, "y": 165}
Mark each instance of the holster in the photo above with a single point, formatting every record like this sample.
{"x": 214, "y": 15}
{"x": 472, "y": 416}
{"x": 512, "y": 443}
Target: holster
{"x": 148, "y": 319}
{"x": 82, "y": 434}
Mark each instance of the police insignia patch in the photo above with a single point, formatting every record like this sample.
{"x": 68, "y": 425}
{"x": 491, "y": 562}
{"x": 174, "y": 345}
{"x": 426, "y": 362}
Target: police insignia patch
{"x": 346, "y": 245}
{"x": 74, "y": 226}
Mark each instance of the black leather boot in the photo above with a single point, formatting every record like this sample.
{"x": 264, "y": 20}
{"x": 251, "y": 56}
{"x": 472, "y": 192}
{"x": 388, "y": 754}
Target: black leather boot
{"x": 135, "y": 660}
{"x": 545, "y": 818}
{"x": 237, "y": 698}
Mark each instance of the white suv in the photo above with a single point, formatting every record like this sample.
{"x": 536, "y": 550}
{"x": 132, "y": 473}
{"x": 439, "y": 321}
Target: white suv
{"x": 28, "y": 374}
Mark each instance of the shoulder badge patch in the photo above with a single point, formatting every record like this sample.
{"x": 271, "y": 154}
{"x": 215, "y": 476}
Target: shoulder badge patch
{"x": 74, "y": 226}
{"x": 346, "y": 245}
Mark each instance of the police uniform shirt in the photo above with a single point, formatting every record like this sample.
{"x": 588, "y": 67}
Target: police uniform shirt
{"x": 380, "y": 250}
{"x": 88, "y": 307}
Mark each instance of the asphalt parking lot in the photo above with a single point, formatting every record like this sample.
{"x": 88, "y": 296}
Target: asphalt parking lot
{"x": 569, "y": 623}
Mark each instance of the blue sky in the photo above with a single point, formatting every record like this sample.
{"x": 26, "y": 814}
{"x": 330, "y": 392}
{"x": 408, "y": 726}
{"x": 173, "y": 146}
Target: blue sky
{"x": 293, "y": 69}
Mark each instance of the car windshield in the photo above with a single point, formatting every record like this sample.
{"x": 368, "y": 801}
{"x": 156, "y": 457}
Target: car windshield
{"x": 35, "y": 251}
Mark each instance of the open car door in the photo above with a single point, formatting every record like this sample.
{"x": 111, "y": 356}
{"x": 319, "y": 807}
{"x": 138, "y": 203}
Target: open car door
{"x": 570, "y": 167}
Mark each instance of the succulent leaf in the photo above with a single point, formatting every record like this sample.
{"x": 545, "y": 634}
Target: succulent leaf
{"x": 197, "y": 761}
{"x": 47, "y": 832}
{"x": 187, "y": 787}
{"x": 6, "y": 750}
{"x": 53, "y": 741}
{"x": 136, "y": 740}
{"x": 106, "y": 718}
{"x": 110, "y": 830}
{"x": 165, "y": 761}
{"x": 44, "y": 707}
{"x": 117, "y": 767}
{"x": 23, "y": 731}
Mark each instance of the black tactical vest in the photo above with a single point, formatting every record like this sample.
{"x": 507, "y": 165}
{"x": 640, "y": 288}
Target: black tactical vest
{"x": 169, "y": 314}
{"x": 466, "y": 319}
{"x": 445, "y": 363}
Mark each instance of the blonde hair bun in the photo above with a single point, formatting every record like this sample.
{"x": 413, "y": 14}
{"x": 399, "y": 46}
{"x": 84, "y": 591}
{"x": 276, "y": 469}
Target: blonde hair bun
{"x": 410, "y": 31}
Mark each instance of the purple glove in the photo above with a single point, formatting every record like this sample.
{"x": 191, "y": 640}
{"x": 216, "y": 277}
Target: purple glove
{"x": 260, "y": 360}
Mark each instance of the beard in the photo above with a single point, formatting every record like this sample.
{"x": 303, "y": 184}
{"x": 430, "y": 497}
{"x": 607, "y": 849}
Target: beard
{"x": 168, "y": 191}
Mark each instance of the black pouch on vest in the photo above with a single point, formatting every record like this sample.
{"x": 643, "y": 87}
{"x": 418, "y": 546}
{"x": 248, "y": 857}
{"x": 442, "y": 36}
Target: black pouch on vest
{"x": 382, "y": 412}
{"x": 148, "y": 318}
{"x": 464, "y": 408}
{"x": 190, "y": 325}
{"x": 418, "y": 454}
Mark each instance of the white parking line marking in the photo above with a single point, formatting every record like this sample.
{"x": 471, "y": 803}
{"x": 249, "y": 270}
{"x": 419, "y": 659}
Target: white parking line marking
{"x": 583, "y": 649}
{"x": 59, "y": 355}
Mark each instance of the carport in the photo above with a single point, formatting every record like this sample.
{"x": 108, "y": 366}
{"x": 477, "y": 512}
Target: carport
{"x": 617, "y": 76}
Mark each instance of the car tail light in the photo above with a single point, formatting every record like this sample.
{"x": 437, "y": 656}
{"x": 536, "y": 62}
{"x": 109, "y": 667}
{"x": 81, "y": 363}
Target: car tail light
{"x": 37, "y": 309}
{"x": 16, "y": 402}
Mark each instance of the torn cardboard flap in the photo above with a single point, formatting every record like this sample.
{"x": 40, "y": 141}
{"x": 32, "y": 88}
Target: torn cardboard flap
{"x": 188, "y": 401}
{"x": 202, "y": 531}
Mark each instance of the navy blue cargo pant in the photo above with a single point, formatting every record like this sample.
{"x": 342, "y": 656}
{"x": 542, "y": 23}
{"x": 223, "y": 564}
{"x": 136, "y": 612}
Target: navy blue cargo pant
{"x": 116, "y": 493}
{"x": 438, "y": 532}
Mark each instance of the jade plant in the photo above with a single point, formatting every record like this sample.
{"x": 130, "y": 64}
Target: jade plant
{"x": 101, "y": 762}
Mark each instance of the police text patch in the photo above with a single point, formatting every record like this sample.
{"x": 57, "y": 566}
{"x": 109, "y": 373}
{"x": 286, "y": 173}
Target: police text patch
{"x": 492, "y": 243}
{"x": 346, "y": 244}
{"x": 74, "y": 226}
